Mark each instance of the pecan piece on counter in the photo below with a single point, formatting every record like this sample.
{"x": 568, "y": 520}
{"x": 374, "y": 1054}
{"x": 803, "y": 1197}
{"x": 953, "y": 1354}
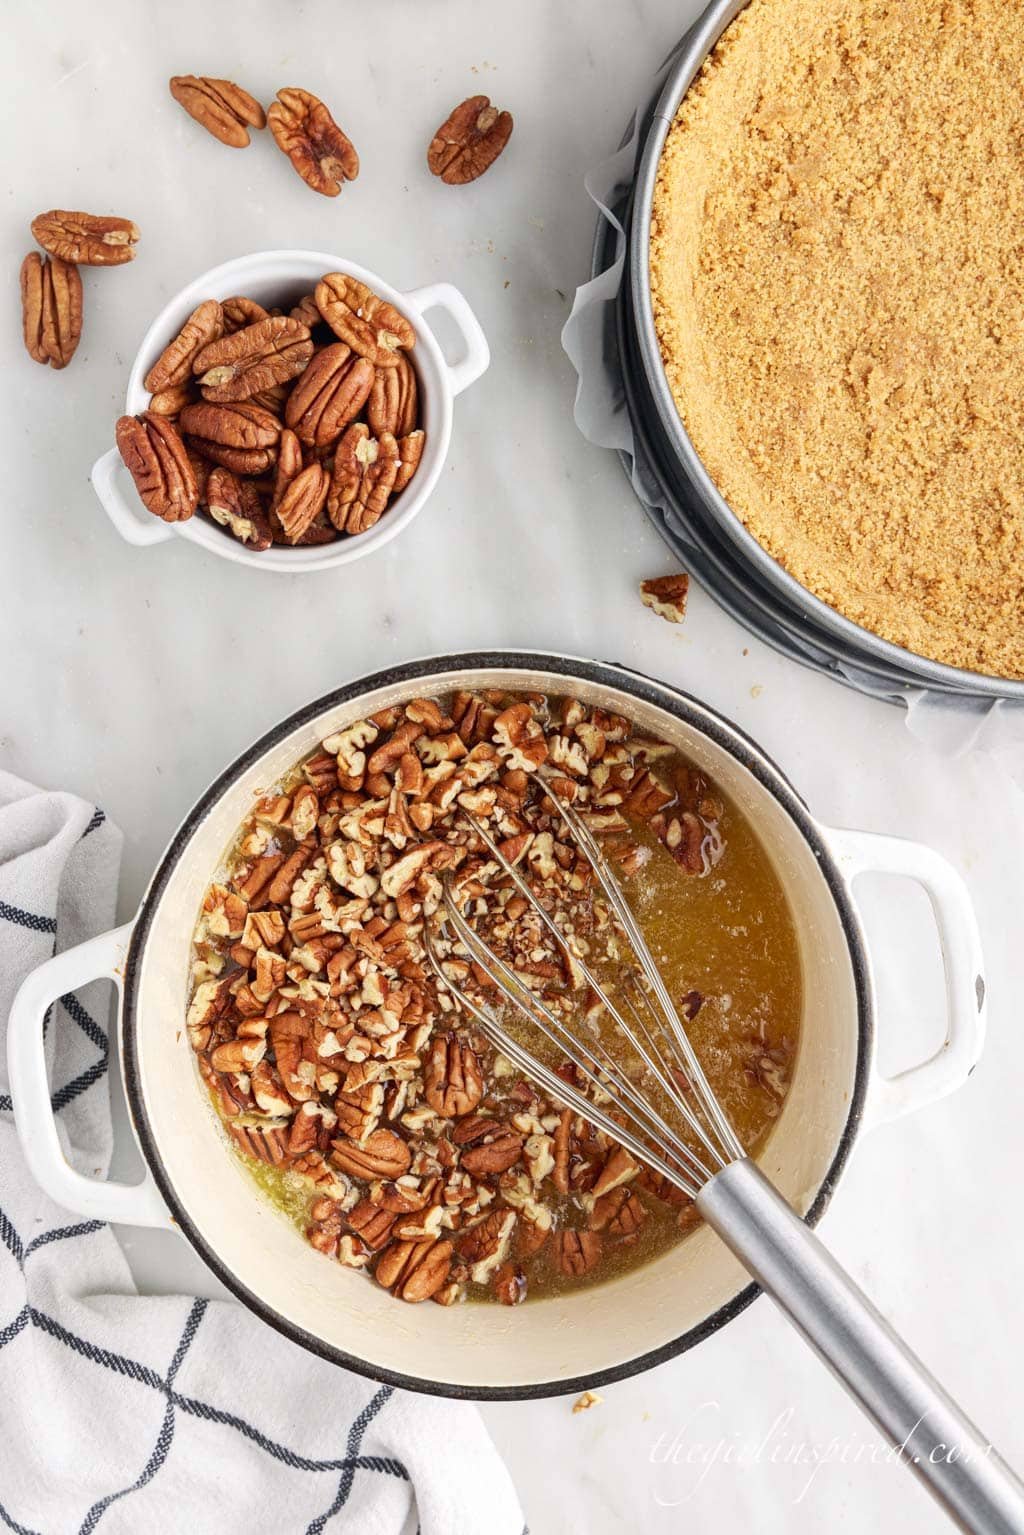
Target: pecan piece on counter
{"x": 242, "y": 436}
{"x": 331, "y": 393}
{"x": 156, "y": 458}
{"x": 304, "y": 129}
{"x": 575, "y": 1253}
{"x": 469, "y": 141}
{"x": 174, "y": 365}
{"x": 394, "y": 399}
{"x": 85, "y": 239}
{"x": 414, "y": 1271}
{"x": 302, "y": 502}
{"x": 489, "y": 1146}
{"x": 220, "y": 106}
{"x": 364, "y": 474}
{"x": 453, "y": 1080}
{"x": 383, "y": 1155}
{"x": 235, "y": 504}
{"x": 51, "y": 309}
{"x": 272, "y": 351}
{"x": 666, "y": 595}
{"x": 410, "y": 451}
{"x": 368, "y": 324}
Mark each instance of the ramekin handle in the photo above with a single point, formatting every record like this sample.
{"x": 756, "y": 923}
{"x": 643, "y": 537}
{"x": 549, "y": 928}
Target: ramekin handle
{"x": 861, "y": 852}
{"x": 107, "y": 476}
{"x": 477, "y": 356}
{"x": 128, "y": 1204}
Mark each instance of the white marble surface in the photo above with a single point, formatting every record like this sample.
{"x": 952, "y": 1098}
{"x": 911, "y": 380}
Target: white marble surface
{"x": 133, "y": 676}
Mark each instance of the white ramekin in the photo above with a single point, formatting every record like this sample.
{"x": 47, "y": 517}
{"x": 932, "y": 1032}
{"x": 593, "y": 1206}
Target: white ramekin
{"x": 562, "y": 1342}
{"x": 277, "y": 279}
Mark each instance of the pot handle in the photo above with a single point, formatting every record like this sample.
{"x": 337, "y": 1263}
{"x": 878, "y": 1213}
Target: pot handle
{"x": 127, "y": 1204}
{"x": 477, "y": 355}
{"x": 107, "y": 475}
{"x": 862, "y": 852}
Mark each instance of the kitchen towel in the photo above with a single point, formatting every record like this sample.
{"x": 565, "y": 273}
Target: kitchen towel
{"x": 172, "y": 1414}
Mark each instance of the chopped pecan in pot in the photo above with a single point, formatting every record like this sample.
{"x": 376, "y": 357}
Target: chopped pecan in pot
{"x": 575, "y": 1253}
{"x": 469, "y": 141}
{"x": 453, "y": 1083}
{"x": 51, "y": 309}
{"x": 383, "y": 1155}
{"x": 414, "y": 1271}
{"x": 490, "y": 1147}
{"x": 86, "y": 239}
{"x": 304, "y": 129}
{"x": 220, "y": 106}
{"x": 155, "y": 456}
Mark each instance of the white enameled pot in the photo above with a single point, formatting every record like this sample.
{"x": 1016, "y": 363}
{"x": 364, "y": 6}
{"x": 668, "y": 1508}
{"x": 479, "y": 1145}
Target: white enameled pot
{"x": 278, "y": 279}
{"x": 559, "y": 1343}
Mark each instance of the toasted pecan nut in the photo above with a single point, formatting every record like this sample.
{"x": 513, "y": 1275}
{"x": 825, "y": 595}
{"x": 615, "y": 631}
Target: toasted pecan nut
{"x": 453, "y": 1080}
{"x": 174, "y": 365}
{"x": 85, "y": 239}
{"x": 266, "y": 1142}
{"x": 383, "y": 1155}
{"x": 575, "y": 1253}
{"x": 394, "y": 399}
{"x": 289, "y": 464}
{"x": 494, "y": 1152}
{"x": 171, "y": 402}
{"x": 235, "y": 504}
{"x": 156, "y": 458}
{"x": 257, "y": 357}
{"x": 414, "y": 1271}
{"x": 220, "y": 106}
{"x": 364, "y": 474}
{"x": 510, "y": 1285}
{"x": 469, "y": 141}
{"x": 331, "y": 393}
{"x": 302, "y": 502}
{"x": 368, "y": 324}
{"x": 618, "y": 1212}
{"x": 239, "y": 312}
{"x": 371, "y": 1223}
{"x": 51, "y": 309}
{"x": 304, "y": 129}
{"x": 410, "y": 451}
{"x": 239, "y": 425}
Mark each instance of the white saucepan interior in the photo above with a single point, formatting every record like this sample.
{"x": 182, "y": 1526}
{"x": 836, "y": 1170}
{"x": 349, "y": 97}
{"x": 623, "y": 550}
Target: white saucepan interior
{"x": 479, "y": 1346}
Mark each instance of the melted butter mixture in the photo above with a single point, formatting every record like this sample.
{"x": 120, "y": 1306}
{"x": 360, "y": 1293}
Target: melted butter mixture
{"x": 726, "y": 948}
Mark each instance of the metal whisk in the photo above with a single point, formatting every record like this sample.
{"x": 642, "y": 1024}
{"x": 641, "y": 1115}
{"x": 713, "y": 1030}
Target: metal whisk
{"x": 677, "y": 1127}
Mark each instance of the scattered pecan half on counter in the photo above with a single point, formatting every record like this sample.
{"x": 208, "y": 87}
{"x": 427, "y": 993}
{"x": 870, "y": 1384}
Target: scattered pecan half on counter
{"x": 219, "y": 106}
{"x": 469, "y": 141}
{"x": 305, "y": 131}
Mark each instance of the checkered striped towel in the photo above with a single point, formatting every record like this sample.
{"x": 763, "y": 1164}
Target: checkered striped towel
{"x": 172, "y": 1414}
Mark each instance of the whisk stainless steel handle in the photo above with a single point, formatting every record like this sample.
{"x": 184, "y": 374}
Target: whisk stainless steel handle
{"x": 938, "y": 1442}
{"x": 944, "y": 1449}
